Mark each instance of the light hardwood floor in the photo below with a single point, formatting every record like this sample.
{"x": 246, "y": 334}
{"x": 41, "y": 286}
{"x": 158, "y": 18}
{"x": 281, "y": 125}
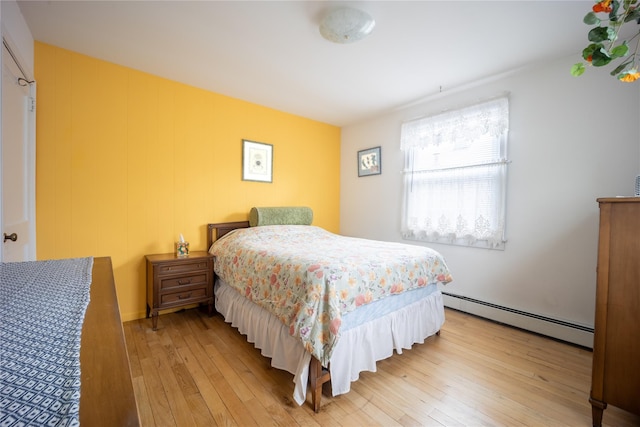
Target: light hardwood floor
{"x": 196, "y": 370}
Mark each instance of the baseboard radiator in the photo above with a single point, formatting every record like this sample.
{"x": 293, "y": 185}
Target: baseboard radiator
{"x": 554, "y": 328}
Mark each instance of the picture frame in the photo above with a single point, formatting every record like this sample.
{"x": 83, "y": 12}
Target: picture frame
{"x": 369, "y": 162}
{"x": 257, "y": 161}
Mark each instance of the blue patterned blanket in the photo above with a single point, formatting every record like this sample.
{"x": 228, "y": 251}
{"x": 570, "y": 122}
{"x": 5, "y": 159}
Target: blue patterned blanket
{"x": 42, "y": 308}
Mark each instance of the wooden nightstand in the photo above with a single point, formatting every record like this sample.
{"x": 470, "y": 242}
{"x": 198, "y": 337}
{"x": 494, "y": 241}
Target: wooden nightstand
{"x": 174, "y": 282}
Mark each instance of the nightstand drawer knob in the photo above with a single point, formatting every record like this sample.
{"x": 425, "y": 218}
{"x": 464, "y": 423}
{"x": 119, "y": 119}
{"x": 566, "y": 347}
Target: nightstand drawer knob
{"x": 184, "y": 282}
{"x": 184, "y": 296}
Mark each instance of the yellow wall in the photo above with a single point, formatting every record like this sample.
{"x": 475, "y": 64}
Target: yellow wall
{"x": 126, "y": 161}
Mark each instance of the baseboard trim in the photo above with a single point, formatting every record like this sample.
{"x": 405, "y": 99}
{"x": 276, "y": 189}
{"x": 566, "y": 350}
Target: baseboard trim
{"x": 559, "y": 329}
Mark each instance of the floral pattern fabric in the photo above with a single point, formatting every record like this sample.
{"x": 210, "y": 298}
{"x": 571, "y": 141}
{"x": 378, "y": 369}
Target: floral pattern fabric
{"x": 309, "y": 277}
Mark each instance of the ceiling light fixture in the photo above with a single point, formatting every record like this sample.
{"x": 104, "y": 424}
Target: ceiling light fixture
{"x": 346, "y": 25}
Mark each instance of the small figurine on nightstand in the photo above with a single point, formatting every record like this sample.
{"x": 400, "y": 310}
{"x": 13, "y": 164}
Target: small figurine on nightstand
{"x": 182, "y": 247}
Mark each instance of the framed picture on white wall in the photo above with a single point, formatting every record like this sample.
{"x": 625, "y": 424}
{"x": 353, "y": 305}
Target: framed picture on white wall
{"x": 369, "y": 162}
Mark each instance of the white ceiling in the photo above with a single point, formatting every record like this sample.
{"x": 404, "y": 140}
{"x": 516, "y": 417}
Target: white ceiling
{"x": 271, "y": 52}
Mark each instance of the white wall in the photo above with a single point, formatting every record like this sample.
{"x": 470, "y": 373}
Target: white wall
{"x": 571, "y": 141}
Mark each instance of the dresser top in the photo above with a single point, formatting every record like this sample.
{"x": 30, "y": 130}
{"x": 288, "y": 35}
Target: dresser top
{"x": 619, "y": 199}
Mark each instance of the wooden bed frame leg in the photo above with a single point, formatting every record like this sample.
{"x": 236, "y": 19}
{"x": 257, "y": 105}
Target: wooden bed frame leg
{"x": 317, "y": 377}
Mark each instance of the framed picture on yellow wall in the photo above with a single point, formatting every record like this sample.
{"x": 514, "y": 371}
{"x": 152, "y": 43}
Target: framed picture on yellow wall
{"x": 369, "y": 162}
{"x": 257, "y": 161}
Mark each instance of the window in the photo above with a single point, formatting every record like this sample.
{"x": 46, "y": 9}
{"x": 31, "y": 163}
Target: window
{"x": 455, "y": 176}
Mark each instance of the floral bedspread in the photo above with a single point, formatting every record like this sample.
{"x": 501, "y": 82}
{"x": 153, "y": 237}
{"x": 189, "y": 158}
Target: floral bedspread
{"x": 309, "y": 277}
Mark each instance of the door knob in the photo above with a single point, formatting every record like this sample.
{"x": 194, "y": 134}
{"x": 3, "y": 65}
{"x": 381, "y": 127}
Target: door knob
{"x": 13, "y": 237}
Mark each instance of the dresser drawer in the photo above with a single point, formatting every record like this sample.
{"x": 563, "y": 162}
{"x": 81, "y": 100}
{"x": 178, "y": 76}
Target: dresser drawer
{"x": 183, "y": 297}
{"x": 183, "y": 267}
{"x": 201, "y": 278}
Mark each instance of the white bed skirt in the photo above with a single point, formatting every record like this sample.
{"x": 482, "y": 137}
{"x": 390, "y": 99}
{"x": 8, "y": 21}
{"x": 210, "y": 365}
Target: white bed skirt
{"x": 357, "y": 350}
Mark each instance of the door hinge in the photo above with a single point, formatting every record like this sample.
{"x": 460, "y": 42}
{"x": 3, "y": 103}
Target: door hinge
{"x": 32, "y": 104}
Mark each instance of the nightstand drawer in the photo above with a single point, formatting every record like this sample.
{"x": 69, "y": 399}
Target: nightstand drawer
{"x": 183, "y": 297}
{"x": 190, "y": 280}
{"x": 182, "y": 267}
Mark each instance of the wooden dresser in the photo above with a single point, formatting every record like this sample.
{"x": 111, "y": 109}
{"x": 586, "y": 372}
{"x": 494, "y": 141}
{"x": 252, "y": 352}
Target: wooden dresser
{"x": 107, "y": 397}
{"x": 174, "y": 282}
{"x": 616, "y": 347}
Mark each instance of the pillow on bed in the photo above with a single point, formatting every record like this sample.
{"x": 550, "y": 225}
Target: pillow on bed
{"x": 294, "y": 215}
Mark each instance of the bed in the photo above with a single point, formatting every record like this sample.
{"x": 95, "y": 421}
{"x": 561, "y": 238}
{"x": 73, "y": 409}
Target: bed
{"x": 102, "y": 393}
{"x": 357, "y": 308}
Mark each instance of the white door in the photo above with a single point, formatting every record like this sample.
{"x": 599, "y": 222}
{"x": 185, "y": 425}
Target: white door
{"x": 18, "y": 163}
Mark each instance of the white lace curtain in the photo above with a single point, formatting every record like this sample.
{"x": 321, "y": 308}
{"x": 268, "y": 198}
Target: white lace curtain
{"x": 455, "y": 176}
